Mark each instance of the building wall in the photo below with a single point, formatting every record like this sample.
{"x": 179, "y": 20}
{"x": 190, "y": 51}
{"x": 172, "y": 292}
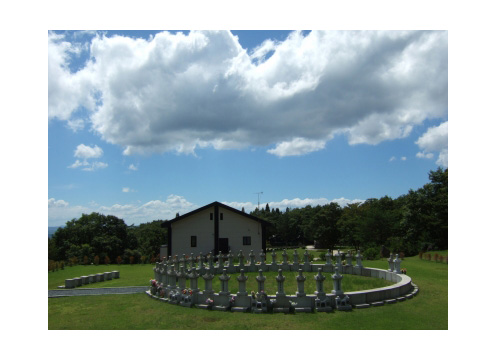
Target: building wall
{"x": 199, "y": 225}
{"x": 235, "y": 226}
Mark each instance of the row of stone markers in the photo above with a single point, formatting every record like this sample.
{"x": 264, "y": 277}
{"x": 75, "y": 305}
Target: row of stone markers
{"x": 202, "y": 263}
{"x": 93, "y": 278}
{"x": 173, "y": 290}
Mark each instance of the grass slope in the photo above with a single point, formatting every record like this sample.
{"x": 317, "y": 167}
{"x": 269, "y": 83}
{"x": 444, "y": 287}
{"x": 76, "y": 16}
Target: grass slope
{"x": 428, "y": 310}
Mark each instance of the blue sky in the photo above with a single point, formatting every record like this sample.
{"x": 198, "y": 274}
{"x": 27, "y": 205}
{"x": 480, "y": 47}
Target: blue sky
{"x": 143, "y": 125}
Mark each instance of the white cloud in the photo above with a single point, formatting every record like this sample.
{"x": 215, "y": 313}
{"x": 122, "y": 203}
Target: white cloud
{"x": 291, "y": 203}
{"x": 372, "y": 86}
{"x": 52, "y": 203}
{"x": 59, "y": 211}
{"x": 297, "y": 146}
{"x": 95, "y": 165}
{"x": 435, "y": 139}
{"x": 133, "y": 167}
{"x": 392, "y": 158}
{"x": 86, "y": 152}
{"x": 424, "y": 155}
{"x": 126, "y": 189}
{"x": 403, "y": 158}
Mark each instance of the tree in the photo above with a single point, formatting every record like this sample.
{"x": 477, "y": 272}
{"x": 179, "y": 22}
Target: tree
{"x": 326, "y": 232}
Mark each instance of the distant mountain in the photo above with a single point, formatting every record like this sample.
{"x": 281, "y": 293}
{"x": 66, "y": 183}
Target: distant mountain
{"x": 51, "y": 230}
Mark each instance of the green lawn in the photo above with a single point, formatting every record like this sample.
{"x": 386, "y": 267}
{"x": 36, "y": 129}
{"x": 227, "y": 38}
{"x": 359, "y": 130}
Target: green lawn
{"x": 428, "y": 310}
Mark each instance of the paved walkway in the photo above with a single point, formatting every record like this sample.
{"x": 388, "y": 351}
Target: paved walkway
{"x": 97, "y": 291}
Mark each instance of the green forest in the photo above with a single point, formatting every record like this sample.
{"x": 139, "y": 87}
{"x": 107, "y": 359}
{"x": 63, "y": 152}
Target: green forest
{"x": 414, "y": 222}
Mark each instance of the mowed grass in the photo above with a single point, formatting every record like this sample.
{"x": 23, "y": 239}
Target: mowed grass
{"x": 428, "y": 310}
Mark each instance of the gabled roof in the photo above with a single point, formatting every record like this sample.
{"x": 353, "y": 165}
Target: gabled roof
{"x": 220, "y": 205}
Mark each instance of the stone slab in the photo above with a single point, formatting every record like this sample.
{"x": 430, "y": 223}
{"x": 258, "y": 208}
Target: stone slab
{"x": 239, "y": 309}
{"x": 377, "y": 303}
{"x": 391, "y": 301}
{"x": 362, "y": 306}
{"x": 303, "y": 309}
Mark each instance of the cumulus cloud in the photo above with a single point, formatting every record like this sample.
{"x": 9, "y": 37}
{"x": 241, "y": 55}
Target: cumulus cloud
{"x": 297, "y": 146}
{"x": 435, "y": 139}
{"x": 133, "y": 167}
{"x": 87, "y": 152}
{"x": 178, "y": 92}
{"x": 291, "y": 203}
{"x": 59, "y": 211}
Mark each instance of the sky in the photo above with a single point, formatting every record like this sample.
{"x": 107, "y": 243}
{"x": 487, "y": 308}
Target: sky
{"x": 145, "y": 124}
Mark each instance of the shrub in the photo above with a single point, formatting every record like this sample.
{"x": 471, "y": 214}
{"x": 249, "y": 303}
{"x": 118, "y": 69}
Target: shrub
{"x": 131, "y": 259}
{"x": 322, "y": 256}
{"x": 62, "y": 264}
{"x": 401, "y": 255}
{"x": 152, "y": 260}
{"x": 143, "y": 259}
{"x": 118, "y": 260}
{"x": 85, "y": 260}
{"x": 440, "y": 258}
{"x": 74, "y": 260}
{"x": 446, "y": 259}
{"x": 371, "y": 253}
{"x": 420, "y": 255}
{"x": 435, "y": 257}
{"x": 96, "y": 260}
{"x": 107, "y": 260}
{"x": 428, "y": 257}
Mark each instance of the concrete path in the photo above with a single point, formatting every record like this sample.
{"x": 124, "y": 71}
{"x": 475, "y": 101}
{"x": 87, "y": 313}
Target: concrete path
{"x": 97, "y": 291}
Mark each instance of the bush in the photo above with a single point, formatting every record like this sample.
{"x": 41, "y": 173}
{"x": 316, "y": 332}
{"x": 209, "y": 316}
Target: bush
{"x": 85, "y": 260}
{"x": 435, "y": 257}
{"x": 96, "y": 260}
{"x": 440, "y": 258}
{"x": 372, "y": 253}
{"x": 107, "y": 260}
{"x": 420, "y": 255}
{"x": 118, "y": 260}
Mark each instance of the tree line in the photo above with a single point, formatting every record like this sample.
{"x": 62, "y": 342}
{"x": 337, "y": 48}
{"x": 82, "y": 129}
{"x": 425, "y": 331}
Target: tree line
{"x": 414, "y": 222}
{"x": 411, "y": 223}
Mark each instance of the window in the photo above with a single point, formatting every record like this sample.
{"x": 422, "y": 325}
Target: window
{"x": 211, "y": 216}
{"x": 194, "y": 241}
{"x": 221, "y": 216}
{"x": 246, "y": 240}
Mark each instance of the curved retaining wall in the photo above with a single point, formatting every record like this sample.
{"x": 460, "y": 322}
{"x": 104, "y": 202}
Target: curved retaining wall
{"x": 176, "y": 293}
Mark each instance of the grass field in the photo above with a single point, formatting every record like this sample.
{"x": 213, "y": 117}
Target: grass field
{"x": 428, "y": 310}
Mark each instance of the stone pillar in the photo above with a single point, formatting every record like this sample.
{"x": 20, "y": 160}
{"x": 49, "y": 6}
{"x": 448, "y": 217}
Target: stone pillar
{"x": 220, "y": 261}
{"x": 252, "y": 263}
{"x": 261, "y": 281}
{"x": 241, "y": 259}
{"x": 391, "y": 263}
{"x": 262, "y": 258}
{"x": 182, "y": 261}
{"x": 210, "y": 263}
{"x": 274, "y": 257}
{"x": 328, "y": 257}
{"x": 280, "y": 283}
{"x": 397, "y": 262}
{"x": 307, "y": 265}
{"x": 201, "y": 265}
{"x": 182, "y": 278}
{"x": 208, "y": 277}
{"x": 359, "y": 259}
{"x": 300, "y": 284}
{"x": 284, "y": 257}
{"x": 242, "y": 284}
{"x": 193, "y": 278}
{"x": 224, "y": 280}
{"x": 338, "y": 259}
{"x": 337, "y": 282}
{"x": 116, "y": 274}
{"x": 231, "y": 262}
{"x": 348, "y": 259}
{"x": 295, "y": 262}
{"x": 191, "y": 262}
{"x": 172, "y": 278}
{"x": 164, "y": 276}
{"x": 319, "y": 284}
{"x": 155, "y": 270}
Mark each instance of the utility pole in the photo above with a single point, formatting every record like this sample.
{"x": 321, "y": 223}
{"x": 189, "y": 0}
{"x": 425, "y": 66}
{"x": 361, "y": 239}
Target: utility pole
{"x": 259, "y": 193}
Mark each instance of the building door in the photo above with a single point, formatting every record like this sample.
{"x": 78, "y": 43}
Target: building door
{"x": 223, "y": 245}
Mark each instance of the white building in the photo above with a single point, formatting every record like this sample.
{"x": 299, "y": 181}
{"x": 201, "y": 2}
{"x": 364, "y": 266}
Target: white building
{"x": 213, "y": 228}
